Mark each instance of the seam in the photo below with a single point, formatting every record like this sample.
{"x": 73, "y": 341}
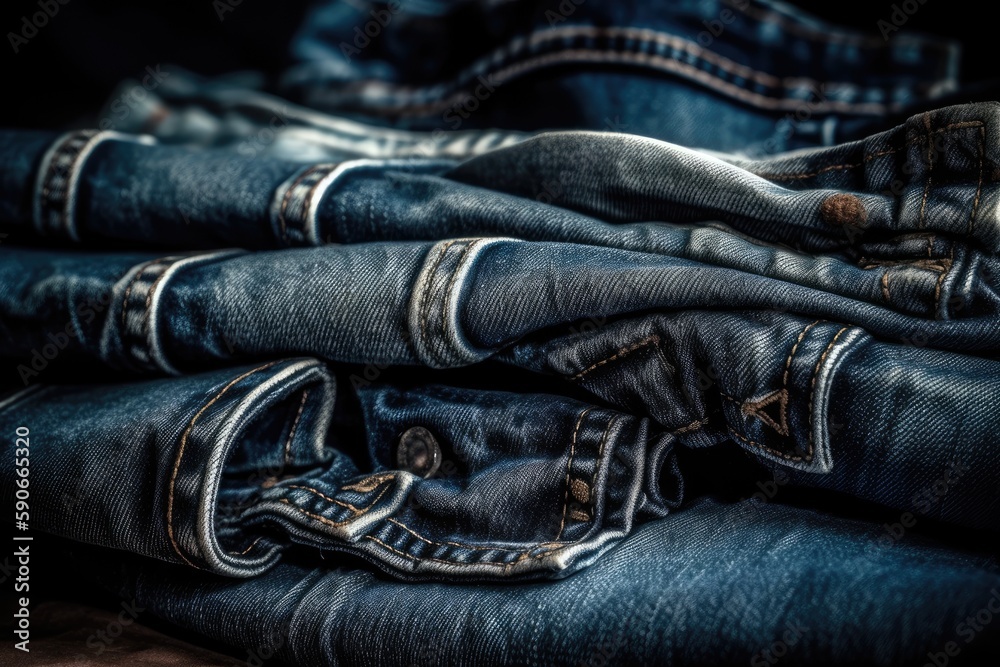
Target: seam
{"x": 439, "y": 560}
{"x": 871, "y": 156}
{"x": 795, "y": 347}
{"x": 128, "y": 288}
{"x": 307, "y": 200}
{"x": 600, "y": 455}
{"x": 885, "y": 286}
{"x": 930, "y": 167}
{"x": 939, "y": 284}
{"x": 295, "y": 424}
{"x": 784, "y": 455}
{"x": 361, "y": 486}
{"x": 286, "y": 198}
{"x": 693, "y": 426}
{"x": 569, "y": 465}
{"x": 753, "y": 409}
{"x": 425, "y": 290}
{"x": 447, "y": 296}
{"x": 243, "y": 553}
{"x": 180, "y": 455}
{"x": 936, "y": 265}
{"x": 317, "y": 517}
{"x": 979, "y": 188}
{"x": 644, "y": 37}
{"x": 146, "y": 318}
{"x": 625, "y": 351}
{"x": 455, "y": 544}
{"x": 812, "y": 388}
{"x": 654, "y": 61}
{"x": 335, "y": 500}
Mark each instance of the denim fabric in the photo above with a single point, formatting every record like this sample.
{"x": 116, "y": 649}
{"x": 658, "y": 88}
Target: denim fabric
{"x": 531, "y": 483}
{"x": 375, "y": 370}
{"x": 902, "y": 219}
{"x": 716, "y": 584}
{"x": 888, "y": 291}
{"x": 727, "y": 75}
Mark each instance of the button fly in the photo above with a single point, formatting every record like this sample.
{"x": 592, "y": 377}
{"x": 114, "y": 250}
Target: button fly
{"x": 418, "y": 452}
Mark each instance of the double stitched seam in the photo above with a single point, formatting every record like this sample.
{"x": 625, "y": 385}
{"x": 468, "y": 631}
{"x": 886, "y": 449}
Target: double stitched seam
{"x": 930, "y": 166}
{"x": 522, "y": 553}
{"x": 331, "y": 522}
{"x": 418, "y": 559}
{"x": 286, "y": 199}
{"x": 307, "y": 203}
{"x": 868, "y": 158}
{"x": 454, "y": 544}
{"x": 427, "y": 295}
{"x": 295, "y": 424}
{"x": 693, "y": 426}
{"x": 73, "y": 147}
{"x": 146, "y": 318}
{"x": 128, "y": 289}
{"x": 334, "y": 500}
{"x": 625, "y": 351}
{"x": 979, "y": 187}
{"x": 783, "y": 426}
{"x": 812, "y": 390}
{"x": 654, "y": 61}
{"x": 885, "y": 285}
{"x": 180, "y": 456}
{"x": 243, "y": 553}
{"x": 447, "y": 295}
{"x": 569, "y": 466}
{"x": 642, "y": 39}
{"x": 939, "y": 284}
{"x": 597, "y": 464}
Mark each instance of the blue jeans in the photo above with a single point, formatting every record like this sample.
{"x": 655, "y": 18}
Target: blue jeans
{"x": 719, "y": 583}
{"x": 574, "y": 396}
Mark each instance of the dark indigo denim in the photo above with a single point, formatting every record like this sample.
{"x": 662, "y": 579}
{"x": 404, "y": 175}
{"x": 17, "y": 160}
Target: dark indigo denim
{"x": 754, "y": 76}
{"x": 350, "y": 376}
{"x": 202, "y": 469}
{"x": 715, "y": 584}
{"x": 712, "y": 331}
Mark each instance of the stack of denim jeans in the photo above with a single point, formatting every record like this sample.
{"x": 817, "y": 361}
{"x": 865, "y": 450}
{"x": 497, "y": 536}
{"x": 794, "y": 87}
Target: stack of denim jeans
{"x": 574, "y": 332}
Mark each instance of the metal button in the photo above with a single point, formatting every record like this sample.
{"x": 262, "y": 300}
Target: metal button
{"x": 418, "y": 452}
